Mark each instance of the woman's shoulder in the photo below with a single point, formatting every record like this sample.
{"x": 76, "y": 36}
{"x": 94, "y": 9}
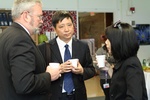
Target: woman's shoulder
{"x": 101, "y": 51}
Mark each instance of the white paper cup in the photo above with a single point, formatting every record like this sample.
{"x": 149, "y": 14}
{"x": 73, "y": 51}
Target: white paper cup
{"x": 74, "y": 62}
{"x": 54, "y": 65}
{"x": 101, "y": 60}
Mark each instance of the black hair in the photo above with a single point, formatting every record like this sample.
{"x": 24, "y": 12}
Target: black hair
{"x": 59, "y": 16}
{"x": 123, "y": 39}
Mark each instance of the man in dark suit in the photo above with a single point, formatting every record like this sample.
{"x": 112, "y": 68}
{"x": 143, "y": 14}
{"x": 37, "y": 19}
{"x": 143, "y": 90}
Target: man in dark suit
{"x": 23, "y": 74}
{"x": 64, "y": 28}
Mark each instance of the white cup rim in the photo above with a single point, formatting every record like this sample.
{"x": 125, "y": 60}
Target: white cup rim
{"x": 55, "y": 64}
{"x": 101, "y": 63}
{"x": 74, "y": 59}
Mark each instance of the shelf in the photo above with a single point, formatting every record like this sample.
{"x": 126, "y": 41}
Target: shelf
{"x": 3, "y": 27}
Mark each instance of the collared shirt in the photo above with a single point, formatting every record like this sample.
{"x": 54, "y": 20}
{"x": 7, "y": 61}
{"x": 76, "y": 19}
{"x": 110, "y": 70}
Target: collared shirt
{"x": 61, "y": 45}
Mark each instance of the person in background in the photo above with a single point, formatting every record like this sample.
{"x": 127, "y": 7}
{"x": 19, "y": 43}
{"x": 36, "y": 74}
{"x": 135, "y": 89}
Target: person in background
{"x": 23, "y": 74}
{"x": 63, "y": 25}
{"x": 127, "y": 82}
{"x": 105, "y": 73}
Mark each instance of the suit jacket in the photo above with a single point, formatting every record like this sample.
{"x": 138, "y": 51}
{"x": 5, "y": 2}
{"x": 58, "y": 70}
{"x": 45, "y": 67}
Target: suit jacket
{"x": 128, "y": 82}
{"x": 22, "y": 74}
{"x": 81, "y": 51}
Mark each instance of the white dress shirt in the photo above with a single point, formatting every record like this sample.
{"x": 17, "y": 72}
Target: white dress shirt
{"x": 61, "y": 46}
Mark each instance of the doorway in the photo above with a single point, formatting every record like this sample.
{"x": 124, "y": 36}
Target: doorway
{"x": 93, "y": 25}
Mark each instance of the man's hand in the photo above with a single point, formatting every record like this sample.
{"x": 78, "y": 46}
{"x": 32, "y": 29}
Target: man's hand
{"x": 66, "y": 67}
{"x": 54, "y": 72}
{"x": 78, "y": 70}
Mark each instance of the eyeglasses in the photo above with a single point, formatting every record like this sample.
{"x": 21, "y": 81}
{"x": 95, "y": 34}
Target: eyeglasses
{"x": 118, "y": 25}
{"x": 39, "y": 16}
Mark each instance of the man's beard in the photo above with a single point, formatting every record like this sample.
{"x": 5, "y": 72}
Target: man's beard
{"x": 37, "y": 31}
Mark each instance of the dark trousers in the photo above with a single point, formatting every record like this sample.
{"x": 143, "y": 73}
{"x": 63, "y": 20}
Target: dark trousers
{"x": 105, "y": 90}
{"x": 65, "y": 96}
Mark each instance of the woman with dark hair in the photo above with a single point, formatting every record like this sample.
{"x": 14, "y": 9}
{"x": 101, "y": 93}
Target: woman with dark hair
{"x": 127, "y": 81}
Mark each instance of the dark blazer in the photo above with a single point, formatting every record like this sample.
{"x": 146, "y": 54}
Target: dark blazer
{"x": 128, "y": 82}
{"x": 22, "y": 67}
{"x": 81, "y": 51}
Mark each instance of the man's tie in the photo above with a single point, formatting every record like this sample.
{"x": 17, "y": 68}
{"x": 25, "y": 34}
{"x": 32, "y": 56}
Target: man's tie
{"x": 68, "y": 82}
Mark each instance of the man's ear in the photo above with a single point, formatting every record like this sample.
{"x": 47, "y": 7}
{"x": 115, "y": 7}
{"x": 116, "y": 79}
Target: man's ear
{"x": 26, "y": 16}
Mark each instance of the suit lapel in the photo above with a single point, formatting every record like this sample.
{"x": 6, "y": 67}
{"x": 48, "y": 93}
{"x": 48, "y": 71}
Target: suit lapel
{"x": 25, "y": 32}
{"x": 75, "y": 48}
{"x": 55, "y": 50}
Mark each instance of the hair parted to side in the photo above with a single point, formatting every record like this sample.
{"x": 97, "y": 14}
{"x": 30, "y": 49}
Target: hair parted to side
{"x": 22, "y": 5}
{"x": 124, "y": 43}
{"x": 59, "y": 16}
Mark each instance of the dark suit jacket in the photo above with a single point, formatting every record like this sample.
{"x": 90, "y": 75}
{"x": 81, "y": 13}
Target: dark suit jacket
{"x": 81, "y": 51}
{"x": 22, "y": 67}
{"x": 128, "y": 81}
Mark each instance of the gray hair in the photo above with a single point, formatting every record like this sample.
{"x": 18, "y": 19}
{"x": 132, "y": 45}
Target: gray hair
{"x": 22, "y": 5}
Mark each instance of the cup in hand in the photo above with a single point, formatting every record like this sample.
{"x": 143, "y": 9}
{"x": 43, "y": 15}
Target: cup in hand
{"x": 100, "y": 60}
{"x": 74, "y": 62}
{"x": 54, "y": 65}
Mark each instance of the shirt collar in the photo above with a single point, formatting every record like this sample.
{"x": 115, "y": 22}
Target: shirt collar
{"x": 62, "y": 43}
